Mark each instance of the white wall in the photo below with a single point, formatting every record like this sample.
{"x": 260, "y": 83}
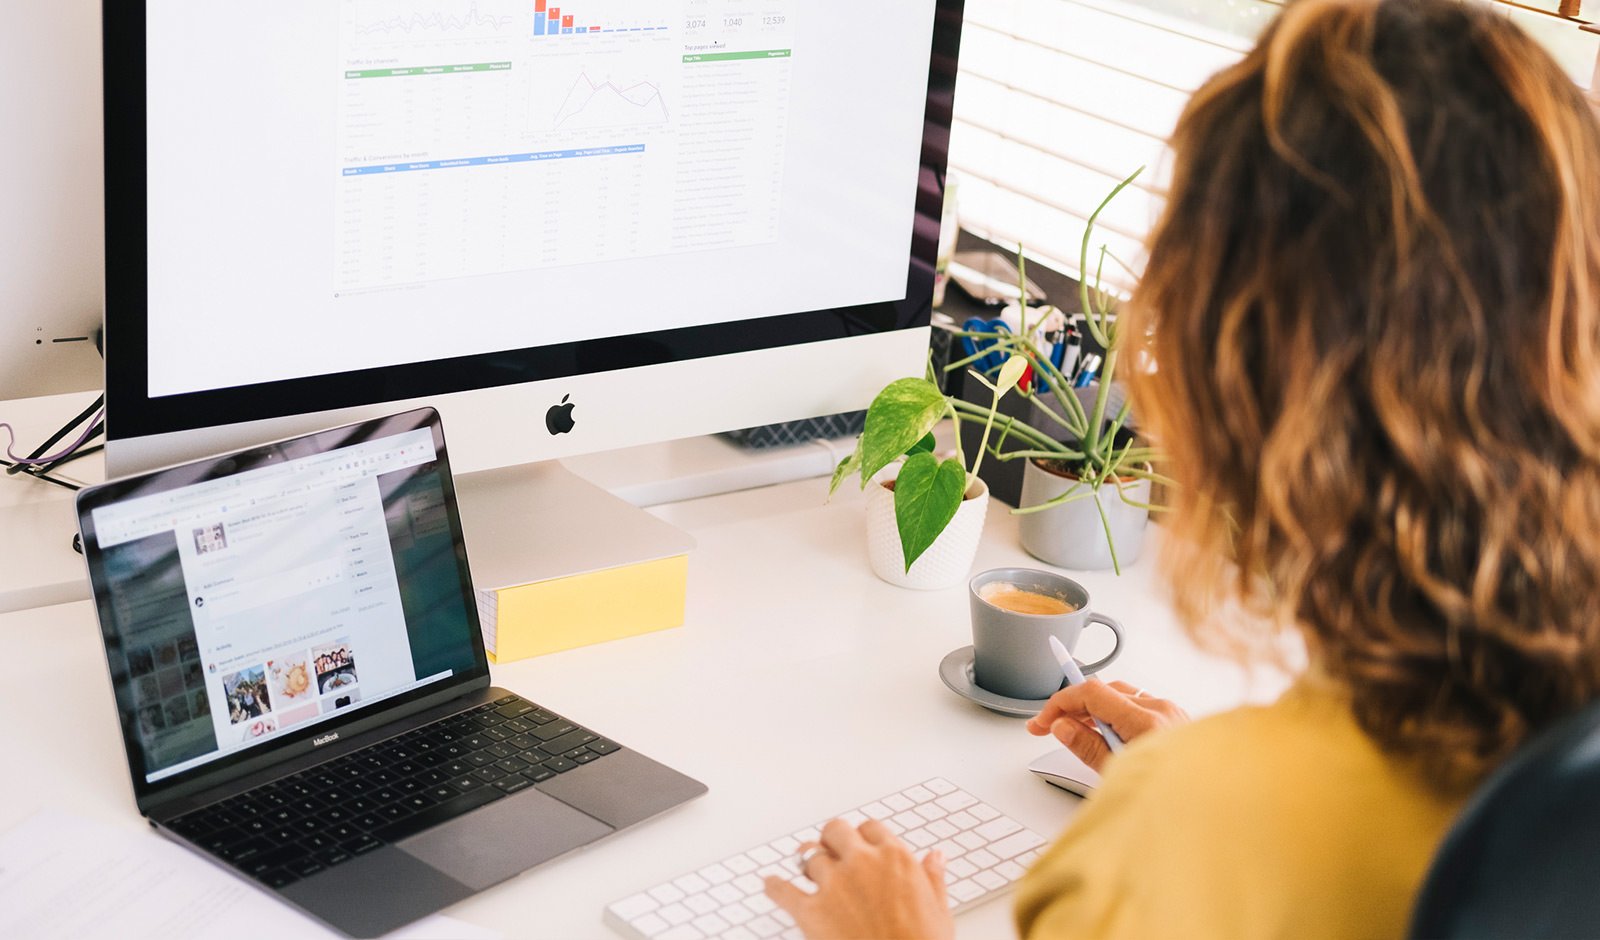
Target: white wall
{"x": 51, "y": 206}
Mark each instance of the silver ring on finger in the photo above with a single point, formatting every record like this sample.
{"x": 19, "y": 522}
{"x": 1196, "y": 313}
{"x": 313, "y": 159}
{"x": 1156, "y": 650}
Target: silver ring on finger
{"x": 806, "y": 857}
{"x": 1141, "y": 693}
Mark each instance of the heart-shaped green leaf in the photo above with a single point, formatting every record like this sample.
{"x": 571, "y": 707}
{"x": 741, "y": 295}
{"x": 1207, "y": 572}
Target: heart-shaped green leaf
{"x": 927, "y": 494}
{"x": 924, "y": 446}
{"x": 905, "y": 411}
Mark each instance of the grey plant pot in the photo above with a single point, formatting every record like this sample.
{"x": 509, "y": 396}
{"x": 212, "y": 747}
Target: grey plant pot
{"x": 1072, "y": 535}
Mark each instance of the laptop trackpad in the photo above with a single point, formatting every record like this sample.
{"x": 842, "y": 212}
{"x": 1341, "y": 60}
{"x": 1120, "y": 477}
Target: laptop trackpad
{"x": 505, "y": 838}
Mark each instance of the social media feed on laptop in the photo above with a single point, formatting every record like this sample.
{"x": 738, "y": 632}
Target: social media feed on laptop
{"x": 294, "y": 646}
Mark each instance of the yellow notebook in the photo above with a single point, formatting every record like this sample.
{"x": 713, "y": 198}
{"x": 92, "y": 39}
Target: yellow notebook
{"x": 560, "y": 563}
{"x": 559, "y": 614}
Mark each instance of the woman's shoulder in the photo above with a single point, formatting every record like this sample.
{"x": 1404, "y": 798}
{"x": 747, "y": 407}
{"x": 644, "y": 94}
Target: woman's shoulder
{"x": 1303, "y": 747}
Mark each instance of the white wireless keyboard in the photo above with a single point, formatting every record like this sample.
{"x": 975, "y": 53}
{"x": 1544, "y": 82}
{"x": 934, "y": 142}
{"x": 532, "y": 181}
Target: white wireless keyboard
{"x": 985, "y": 853}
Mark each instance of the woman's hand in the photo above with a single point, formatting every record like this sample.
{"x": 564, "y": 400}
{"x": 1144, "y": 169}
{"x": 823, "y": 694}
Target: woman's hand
{"x": 868, "y": 885}
{"x": 1130, "y": 711}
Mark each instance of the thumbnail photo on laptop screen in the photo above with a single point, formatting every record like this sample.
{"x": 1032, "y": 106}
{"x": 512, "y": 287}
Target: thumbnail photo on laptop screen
{"x": 260, "y": 603}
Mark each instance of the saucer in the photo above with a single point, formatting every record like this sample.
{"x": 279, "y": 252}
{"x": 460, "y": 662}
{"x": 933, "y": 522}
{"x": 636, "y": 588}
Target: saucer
{"x": 956, "y": 671}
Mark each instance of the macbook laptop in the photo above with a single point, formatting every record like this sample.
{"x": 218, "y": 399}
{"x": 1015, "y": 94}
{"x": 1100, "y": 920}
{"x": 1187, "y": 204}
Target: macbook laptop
{"x": 301, "y": 681}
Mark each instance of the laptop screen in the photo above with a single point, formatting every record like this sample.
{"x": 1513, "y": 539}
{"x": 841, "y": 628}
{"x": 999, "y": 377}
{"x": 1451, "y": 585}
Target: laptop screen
{"x": 250, "y": 605}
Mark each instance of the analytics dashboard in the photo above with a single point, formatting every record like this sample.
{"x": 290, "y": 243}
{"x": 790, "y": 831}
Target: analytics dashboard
{"x": 335, "y": 185}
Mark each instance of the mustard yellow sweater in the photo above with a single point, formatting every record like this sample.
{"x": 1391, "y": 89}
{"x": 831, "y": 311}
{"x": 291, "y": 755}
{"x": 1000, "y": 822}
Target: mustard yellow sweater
{"x": 1275, "y": 821}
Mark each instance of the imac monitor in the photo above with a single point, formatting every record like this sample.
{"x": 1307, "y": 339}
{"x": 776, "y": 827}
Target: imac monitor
{"x": 570, "y": 225}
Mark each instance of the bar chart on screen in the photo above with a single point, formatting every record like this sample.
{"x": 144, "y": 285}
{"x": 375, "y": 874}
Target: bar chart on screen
{"x": 589, "y": 17}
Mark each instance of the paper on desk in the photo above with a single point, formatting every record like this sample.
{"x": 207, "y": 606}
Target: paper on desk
{"x": 65, "y": 876}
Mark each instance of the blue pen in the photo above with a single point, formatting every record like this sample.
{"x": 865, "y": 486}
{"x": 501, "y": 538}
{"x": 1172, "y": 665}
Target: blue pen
{"x": 1091, "y": 365}
{"x": 1069, "y": 668}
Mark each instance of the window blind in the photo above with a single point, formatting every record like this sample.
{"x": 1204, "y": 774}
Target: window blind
{"x": 1058, "y": 100}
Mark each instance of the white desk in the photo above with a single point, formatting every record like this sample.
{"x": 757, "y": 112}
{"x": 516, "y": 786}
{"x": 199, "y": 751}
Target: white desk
{"x": 799, "y": 686}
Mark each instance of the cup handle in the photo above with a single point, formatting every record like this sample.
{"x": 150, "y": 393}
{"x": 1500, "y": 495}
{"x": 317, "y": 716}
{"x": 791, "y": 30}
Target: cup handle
{"x": 1116, "y": 628}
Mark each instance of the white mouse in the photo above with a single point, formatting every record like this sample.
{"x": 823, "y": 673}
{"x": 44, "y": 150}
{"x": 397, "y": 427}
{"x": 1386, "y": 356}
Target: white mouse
{"x": 1062, "y": 768}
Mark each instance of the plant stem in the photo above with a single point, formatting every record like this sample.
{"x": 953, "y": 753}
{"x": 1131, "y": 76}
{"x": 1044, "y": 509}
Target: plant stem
{"x": 1018, "y": 427}
{"x": 1039, "y": 455}
{"x": 1091, "y": 442}
{"x": 1070, "y": 496}
{"x": 1105, "y": 523}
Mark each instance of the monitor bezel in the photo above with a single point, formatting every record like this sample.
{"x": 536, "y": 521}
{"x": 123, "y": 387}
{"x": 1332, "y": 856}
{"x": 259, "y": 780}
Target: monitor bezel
{"x": 290, "y": 744}
{"x": 132, "y": 412}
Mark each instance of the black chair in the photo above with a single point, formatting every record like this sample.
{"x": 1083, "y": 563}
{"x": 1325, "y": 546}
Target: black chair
{"x": 1523, "y": 859}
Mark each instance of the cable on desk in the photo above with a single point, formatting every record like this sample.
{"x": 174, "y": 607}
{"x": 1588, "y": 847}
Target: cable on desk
{"x": 39, "y": 464}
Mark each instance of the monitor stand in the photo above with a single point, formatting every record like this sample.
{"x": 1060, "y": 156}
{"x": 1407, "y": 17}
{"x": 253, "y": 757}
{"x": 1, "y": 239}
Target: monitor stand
{"x": 540, "y": 521}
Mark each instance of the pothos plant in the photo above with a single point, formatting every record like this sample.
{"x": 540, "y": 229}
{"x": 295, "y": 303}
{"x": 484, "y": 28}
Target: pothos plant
{"x": 929, "y": 491}
{"x": 900, "y": 421}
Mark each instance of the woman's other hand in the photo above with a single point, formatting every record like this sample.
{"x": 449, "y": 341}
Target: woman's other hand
{"x": 1130, "y": 711}
{"x": 868, "y": 885}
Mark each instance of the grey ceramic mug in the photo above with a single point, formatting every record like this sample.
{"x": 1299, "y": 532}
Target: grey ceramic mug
{"x": 1011, "y": 651}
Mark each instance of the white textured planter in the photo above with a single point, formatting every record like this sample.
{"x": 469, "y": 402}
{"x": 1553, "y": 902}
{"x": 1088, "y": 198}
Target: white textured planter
{"x": 1072, "y": 535}
{"x": 947, "y": 562}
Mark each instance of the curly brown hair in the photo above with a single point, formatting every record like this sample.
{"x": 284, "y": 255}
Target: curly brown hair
{"x": 1373, "y": 301}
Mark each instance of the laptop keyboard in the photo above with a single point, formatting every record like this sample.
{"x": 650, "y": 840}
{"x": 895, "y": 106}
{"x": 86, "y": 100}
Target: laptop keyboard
{"x": 297, "y": 826}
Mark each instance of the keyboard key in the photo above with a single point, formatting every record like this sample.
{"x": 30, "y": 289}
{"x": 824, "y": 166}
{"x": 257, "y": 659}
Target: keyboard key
{"x": 553, "y": 730}
{"x": 727, "y": 894}
{"x": 651, "y": 925}
{"x": 897, "y": 803}
{"x": 559, "y": 764}
{"x": 630, "y": 908}
{"x": 962, "y": 820}
{"x": 602, "y": 746}
{"x": 990, "y": 879}
{"x": 715, "y": 874}
{"x": 735, "y": 914}
{"x": 984, "y": 811}
{"x": 983, "y": 858}
{"x": 998, "y": 829}
{"x": 667, "y": 893}
{"x": 691, "y": 883}
{"x": 700, "y": 903}
{"x": 931, "y": 811}
{"x": 921, "y": 838}
{"x": 676, "y": 914}
{"x": 956, "y": 801}
{"x": 710, "y": 924}
{"x": 918, "y": 794}
{"x": 950, "y": 849}
{"x": 513, "y": 784}
{"x": 764, "y": 927}
{"x": 940, "y": 786}
{"x": 1014, "y": 845}
{"x": 961, "y": 868}
{"x": 966, "y": 890}
{"x": 740, "y": 864}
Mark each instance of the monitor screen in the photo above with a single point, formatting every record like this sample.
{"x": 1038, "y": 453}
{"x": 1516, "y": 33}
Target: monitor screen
{"x": 332, "y": 187}
{"x": 241, "y": 608}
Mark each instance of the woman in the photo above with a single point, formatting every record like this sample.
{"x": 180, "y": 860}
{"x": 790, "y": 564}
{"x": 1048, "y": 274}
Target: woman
{"x": 1374, "y": 299}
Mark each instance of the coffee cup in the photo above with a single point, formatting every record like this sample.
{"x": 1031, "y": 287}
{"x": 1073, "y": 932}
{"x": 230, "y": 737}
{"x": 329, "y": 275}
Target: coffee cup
{"x": 1015, "y": 611}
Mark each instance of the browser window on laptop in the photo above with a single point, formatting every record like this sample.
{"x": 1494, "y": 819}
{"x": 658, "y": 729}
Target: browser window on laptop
{"x": 275, "y": 598}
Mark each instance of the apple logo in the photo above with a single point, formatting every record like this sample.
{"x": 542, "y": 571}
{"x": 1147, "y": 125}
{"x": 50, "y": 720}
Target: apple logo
{"x": 558, "y": 420}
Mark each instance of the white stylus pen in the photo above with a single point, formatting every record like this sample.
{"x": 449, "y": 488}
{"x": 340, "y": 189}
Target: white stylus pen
{"x": 1069, "y": 668}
